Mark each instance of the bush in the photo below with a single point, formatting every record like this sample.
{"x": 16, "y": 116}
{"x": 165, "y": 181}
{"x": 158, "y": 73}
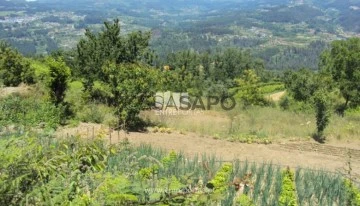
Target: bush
{"x": 84, "y": 112}
{"x": 284, "y": 103}
{"x": 322, "y": 109}
{"x": 353, "y": 113}
{"x": 97, "y": 113}
{"x": 288, "y": 103}
{"x": 248, "y": 92}
{"x": 271, "y": 88}
{"x": 101, "y": 92}
{"x": 21, "y": 111}
{"x": 14, "y": 68}
{"x": 91, "y": 113}
{"x": 58, "y": 79}
{"x": 28, "y": 74}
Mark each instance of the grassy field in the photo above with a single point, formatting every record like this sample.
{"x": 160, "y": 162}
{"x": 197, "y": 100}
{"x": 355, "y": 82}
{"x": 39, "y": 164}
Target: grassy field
{"x": 259, "y": 122}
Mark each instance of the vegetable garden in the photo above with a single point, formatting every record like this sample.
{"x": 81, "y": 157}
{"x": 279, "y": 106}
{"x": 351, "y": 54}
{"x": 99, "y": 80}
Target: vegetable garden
{"x": 43, "y": 170}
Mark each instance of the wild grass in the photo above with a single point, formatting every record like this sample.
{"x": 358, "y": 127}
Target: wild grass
{"x": 261, "y": 122}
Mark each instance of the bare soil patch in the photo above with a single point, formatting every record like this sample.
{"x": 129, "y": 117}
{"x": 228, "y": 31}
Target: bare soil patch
{"x": 324, "y": 149}
{"x": 293, "y": 154}
{"x": 21, "y": 89}
{"x": 277, "y": 96}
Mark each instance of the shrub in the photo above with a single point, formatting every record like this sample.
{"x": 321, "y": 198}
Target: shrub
{"x": 284, "y": 103}
{"x": 14, "y": 68}
{"x": 322, "y": 114}
{"x": 289, "y": 103}
{"x": 101, "y": 92}
{"x": 58, "y": 79}
{"x": 74, "y": 96}
{"x": 28, "y": 112}
{"x": 91, "y": 113}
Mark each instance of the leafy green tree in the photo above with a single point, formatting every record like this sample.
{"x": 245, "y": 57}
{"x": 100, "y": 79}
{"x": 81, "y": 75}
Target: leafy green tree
{"x": 132, "y": 88}
{"x": 300, "y": 84}
{"x": 14, "y": 68}
{"x": 109, "y": 45}
{"x": 231, "y": 64}
{"x": 210, "y": 73}
{"x": 57, "y": 81}
{"x": 247, "y": 89}
{"x": 169, "y": 81}
{"x": 342, "y": 62}
{"x": 114, "y": 70}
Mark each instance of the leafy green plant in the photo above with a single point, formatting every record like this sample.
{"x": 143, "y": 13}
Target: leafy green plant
{"x": 251, "y": 138}
{"x": 115, "y": 190}
{"x": 353, "y": 194}
{"x": 288, "y": 191}
{"x": 300, "y": 84}
{"x": 29, "y": 112}
{"x": 244, "y": 200}
{"x": 221, "y": 180}
{"x": 14, "y": 68}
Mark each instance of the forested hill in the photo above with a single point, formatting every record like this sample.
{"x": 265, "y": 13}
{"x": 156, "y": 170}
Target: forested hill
{"x": 287, "y": 34}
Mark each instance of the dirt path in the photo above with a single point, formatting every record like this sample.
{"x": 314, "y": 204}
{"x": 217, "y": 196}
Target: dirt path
{"x": 294, "y": 154}
{"x": 289, "y": 154}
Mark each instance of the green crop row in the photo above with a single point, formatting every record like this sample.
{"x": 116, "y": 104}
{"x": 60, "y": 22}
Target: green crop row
{"x": 221, "y": 180}
{"x": 37, "y": 168}
{"x": 320, "y": 188}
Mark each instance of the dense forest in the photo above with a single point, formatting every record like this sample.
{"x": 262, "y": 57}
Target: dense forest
{"x": 285, "y": 34}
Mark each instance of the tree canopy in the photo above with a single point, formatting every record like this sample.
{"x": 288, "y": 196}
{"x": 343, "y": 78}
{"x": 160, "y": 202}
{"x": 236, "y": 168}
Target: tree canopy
{"x": 14, "y": 68}
{"x": 109, "y": 45}
{"x": 342, "y": 62}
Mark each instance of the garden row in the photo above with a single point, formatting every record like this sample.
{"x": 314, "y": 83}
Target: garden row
{"x": 37, "y": 169}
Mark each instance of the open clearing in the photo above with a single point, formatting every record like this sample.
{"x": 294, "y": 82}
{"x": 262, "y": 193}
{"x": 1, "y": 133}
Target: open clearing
{"x": 21, "y": 89}
{"x": 277, "y": 96}
{"x": 306, "y": 154}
